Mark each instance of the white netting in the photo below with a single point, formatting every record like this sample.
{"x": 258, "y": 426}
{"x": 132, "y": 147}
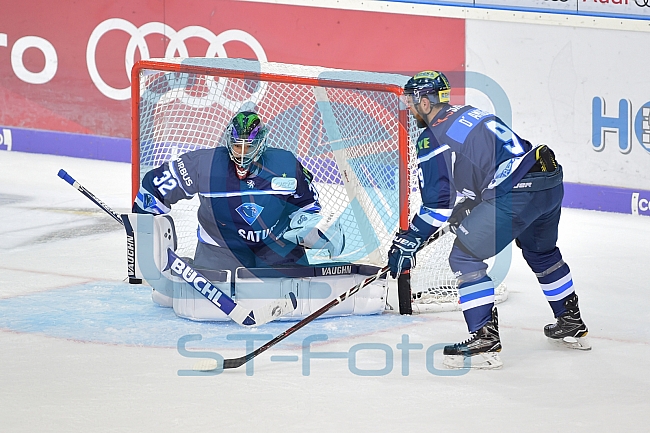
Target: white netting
{"x": 345, "y": 130}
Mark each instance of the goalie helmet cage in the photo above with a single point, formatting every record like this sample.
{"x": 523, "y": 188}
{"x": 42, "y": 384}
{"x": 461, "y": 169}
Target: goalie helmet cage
{"x": 348, "y": 128}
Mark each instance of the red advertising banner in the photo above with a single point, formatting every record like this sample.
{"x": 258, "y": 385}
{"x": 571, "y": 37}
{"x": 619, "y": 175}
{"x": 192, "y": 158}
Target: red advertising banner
{"x": 64, "y": 66}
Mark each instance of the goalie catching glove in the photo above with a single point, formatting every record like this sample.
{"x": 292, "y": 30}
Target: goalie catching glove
{"x": 313, "y": 231}
{"x": 401, "y": 256}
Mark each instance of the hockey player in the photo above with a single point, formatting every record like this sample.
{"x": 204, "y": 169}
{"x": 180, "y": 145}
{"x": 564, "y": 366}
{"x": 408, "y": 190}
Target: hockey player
{"x": 510, "y": 191}
{"x": 258, "y": 207}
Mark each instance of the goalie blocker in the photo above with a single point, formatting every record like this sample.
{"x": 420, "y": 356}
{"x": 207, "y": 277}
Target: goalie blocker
{"x": 175, "y": 283}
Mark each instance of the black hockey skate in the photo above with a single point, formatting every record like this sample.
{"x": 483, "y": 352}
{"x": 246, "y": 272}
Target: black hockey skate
{"x": 569, "y": 330}
{"x": 481, "y": 351}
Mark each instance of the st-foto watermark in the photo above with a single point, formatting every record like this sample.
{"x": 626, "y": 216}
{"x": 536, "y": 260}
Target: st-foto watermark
{"x": 404, "y": 349}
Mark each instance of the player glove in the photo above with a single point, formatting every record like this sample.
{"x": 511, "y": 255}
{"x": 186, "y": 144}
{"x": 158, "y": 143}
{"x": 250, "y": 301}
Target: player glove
{"x": 460, "y": 212}
{"x": 401, "y": 256}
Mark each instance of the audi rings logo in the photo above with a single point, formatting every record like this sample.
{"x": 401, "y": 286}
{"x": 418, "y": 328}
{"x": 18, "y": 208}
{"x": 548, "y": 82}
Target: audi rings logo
{"x": 642, "y": 3}
{"x": 176, "y": 44}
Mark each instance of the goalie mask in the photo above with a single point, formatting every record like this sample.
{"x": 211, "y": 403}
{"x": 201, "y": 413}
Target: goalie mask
{"x": 246, "y": 141}
{"x": 432, "y": 85}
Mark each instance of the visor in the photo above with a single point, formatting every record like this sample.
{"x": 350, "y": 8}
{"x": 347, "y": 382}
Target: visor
{"x": 409, "y": 99}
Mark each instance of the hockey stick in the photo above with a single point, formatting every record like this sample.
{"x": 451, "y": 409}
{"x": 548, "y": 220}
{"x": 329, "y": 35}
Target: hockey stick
{"x": 65, "y": 176}
{"x": 237, "y": 313}
{"x": 238, "y": 362}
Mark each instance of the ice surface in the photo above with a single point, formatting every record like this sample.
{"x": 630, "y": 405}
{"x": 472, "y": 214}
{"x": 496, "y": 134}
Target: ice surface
{"x": 82, "y": 351}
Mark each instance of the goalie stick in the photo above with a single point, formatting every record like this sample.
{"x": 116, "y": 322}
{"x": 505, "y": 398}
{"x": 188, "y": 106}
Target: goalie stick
{"x": 65, "y": 176}
{"x": 238, "y": 362}
{"x": 255, "y": 317}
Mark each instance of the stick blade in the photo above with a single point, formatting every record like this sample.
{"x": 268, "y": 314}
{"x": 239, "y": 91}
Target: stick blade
{"x": 234, "y": 363}
{"x": 205, "y": 365}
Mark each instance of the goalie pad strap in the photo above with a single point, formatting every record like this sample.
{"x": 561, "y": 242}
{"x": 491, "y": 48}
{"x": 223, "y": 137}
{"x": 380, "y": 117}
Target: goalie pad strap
{"x": 309, "y": 271}
{"x": 252, "y": 291}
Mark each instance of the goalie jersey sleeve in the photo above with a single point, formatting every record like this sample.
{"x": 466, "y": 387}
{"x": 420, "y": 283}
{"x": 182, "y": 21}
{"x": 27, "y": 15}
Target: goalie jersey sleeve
{"x": 233, "y": 212}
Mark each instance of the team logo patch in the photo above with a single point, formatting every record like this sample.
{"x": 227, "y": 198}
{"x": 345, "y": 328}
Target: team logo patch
{"x": 284, "y": 183}
{"x": 148, "y": 201}
{"x": 249, "y": 212}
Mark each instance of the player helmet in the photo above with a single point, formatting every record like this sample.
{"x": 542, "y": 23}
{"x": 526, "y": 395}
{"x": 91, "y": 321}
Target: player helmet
{"x": 246, "y": 141}
{"x": 432, "y": 84}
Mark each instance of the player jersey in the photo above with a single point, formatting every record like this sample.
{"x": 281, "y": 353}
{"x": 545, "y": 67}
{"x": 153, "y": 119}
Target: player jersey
{"x": 469, "y": 151}
{"x": 233, "y": 212}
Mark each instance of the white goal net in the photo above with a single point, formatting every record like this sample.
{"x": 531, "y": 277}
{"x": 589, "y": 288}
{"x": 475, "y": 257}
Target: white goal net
{"x": 347, "y": 128}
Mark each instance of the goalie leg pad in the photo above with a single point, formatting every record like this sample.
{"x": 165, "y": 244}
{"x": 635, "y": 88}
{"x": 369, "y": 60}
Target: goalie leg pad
{"x": 162, "y": 299}
{"x": 189, "y": 304}
{"x": 314, "y": 292}
{"x": 149, "y": 238}
{"x": 321, "y": 290}
{"x": 311, "y": 294}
